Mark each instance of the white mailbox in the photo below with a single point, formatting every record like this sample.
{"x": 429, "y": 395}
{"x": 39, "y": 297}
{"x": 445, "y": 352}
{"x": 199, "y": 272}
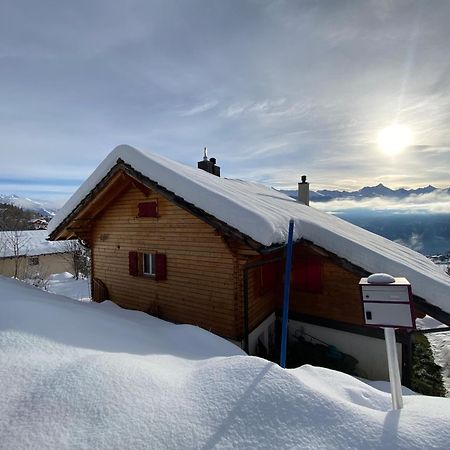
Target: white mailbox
{"x": 387, "y": 304}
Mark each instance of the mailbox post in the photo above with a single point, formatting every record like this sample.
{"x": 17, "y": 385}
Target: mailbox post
{"x": 387, "y": 303}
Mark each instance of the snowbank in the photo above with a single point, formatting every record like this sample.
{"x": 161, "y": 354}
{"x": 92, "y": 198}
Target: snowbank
{"x": 87, "y": 375}
{"x": 264, "y": 214}
{"x": 65, "y": 284}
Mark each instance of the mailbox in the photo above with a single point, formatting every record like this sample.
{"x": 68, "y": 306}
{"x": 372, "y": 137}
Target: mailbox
{"x": 387, "y": 305}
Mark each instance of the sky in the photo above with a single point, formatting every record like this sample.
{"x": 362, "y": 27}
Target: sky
{"x": 274, "y": 89}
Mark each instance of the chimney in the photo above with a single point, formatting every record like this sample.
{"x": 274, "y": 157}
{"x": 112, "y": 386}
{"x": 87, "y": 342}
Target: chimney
{"x": 303, "y": 191}
{"x": 208, "y": 165}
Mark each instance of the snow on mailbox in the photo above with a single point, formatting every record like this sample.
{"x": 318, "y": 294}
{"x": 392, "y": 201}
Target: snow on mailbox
{"x": 387, "y": 301}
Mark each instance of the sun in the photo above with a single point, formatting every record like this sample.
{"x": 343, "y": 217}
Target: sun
{"x": 394, "y": 139}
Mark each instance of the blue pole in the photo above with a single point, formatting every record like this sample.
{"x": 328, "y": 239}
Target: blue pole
{"x": 287, "y": 283}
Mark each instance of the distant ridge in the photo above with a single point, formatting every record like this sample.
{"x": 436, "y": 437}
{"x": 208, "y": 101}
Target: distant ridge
{"x": 380, "y": 190}
{"x": 42, "y": 208}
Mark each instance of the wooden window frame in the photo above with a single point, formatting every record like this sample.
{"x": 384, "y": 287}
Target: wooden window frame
{"x": 151, "y": 257}
{"x": 158, "y": 265}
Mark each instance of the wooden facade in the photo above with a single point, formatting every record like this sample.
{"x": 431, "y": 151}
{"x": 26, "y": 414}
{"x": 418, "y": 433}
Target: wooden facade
{"x": 214, "y": 277}
{"x": 200, "y": 284}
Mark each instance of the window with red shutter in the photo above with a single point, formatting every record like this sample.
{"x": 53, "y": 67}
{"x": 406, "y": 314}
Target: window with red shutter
{"x": 133, "y": 264}
{"x": 148, "y": 209}
{"x": 152, "y": 265}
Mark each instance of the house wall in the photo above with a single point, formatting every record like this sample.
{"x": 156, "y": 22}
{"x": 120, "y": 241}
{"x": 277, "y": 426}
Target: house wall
{"x": 340, "y": 298}
{"x": 369, "y": 351}
{"x": 201, "y": 270}
{"x": 48, "y": 264}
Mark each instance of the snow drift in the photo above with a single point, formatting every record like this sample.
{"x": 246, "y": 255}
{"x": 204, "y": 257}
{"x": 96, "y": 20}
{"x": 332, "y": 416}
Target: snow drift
{"x": 87, "y": 375}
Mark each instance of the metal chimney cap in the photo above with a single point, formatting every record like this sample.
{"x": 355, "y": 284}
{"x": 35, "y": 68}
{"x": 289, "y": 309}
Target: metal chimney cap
{"x": 303, "y": 178}
{"x": 205, "y": 154}
{"x": 213, "y": 160}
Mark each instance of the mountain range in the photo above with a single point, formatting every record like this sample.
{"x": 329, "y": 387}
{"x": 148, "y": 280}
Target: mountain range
{"x": 43, "y": 208}
{"x": 380, "y": 190}
{"x": 427, "y": 233}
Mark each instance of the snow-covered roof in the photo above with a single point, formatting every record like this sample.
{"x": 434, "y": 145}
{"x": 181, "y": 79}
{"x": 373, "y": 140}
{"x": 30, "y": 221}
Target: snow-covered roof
{"x": 29, "y": 243}
{"x": 263, "y": 214}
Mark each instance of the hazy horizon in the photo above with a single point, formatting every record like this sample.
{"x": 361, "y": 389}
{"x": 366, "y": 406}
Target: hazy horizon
{"x": 274, "y": 89}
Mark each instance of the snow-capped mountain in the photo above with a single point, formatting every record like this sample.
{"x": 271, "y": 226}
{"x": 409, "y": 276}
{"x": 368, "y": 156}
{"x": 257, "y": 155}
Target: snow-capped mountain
{"x": 380, "y": 190}
{"x": 41, "y": 207}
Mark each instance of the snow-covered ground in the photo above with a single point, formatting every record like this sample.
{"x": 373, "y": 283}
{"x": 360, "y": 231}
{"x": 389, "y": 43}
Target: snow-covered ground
{"x": 89, "y": 375}
{"x": 65, "y": 284}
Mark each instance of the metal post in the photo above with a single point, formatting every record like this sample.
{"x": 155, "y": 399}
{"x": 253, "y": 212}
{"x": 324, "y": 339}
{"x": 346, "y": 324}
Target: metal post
{"x": 287, "y": 282}
{"x": 394, "y": 372}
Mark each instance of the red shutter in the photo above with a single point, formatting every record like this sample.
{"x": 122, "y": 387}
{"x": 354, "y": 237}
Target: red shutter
{"x": 314, "y": 270}
{"x": 133, "y": 264}
{"x": 307, "y": 275}
{"x": 160, "y": 267}
{"x": 148, "y": 209}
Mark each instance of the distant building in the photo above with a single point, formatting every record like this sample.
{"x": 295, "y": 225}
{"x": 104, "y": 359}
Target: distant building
{"x": 25, "y": 254}
{"x": 39, "y": 224}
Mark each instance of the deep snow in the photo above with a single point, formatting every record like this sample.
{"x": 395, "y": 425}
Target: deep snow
{"x": 88, "y": 375}
{"x": 64, "y": 283}
{"x": 264, "y": 214}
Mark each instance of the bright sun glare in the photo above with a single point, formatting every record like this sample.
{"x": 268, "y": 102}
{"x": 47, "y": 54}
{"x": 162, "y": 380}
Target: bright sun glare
{"x": 393, "y": 139}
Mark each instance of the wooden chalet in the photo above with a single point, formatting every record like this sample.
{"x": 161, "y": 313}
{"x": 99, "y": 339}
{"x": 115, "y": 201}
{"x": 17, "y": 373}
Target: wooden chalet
{"x": 162, "y": 244}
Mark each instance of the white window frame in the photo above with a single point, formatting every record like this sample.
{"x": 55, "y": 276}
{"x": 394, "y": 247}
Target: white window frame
{"x": 151, "y": 264}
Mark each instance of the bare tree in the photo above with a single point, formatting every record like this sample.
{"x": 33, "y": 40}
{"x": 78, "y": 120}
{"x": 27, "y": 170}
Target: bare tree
{"x": 15, "y": 245}
{"x": 77, "y": 254}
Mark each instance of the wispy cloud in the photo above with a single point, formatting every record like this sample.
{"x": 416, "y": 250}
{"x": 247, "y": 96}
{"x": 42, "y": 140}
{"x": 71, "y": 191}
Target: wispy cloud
{"x": 434, "y": 202}
{"x": 199, "y": 109}
{"x": 275, "y": 89}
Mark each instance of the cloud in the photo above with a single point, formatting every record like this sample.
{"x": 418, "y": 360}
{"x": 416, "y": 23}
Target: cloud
{"x": 199, "y": 109}
{"x": 414, "y": 242}
{"x": 274, "y": 89}
{"x": 433, "y": 202}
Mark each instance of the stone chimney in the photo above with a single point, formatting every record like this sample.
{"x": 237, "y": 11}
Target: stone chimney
{"x": 303, "y": 191}
{"x": 208, "y": 165}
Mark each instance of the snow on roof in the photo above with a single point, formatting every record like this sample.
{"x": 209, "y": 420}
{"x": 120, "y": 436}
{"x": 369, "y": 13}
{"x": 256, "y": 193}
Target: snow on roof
{"x": 70, "y": 379}
{"x": 29, "y": 243}
{"x": 264, "y": 213}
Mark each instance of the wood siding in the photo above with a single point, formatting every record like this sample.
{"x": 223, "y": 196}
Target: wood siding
{"x": 339, "y": 299}
{"x": 201, "y": 269}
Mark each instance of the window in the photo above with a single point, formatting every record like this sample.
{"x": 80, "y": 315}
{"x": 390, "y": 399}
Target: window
{"x": 148, "y": 264}
{"x": 33, "y": 261}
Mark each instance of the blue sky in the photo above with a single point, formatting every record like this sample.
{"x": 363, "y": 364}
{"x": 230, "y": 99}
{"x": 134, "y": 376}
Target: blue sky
{"x": 274, "y": 89}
